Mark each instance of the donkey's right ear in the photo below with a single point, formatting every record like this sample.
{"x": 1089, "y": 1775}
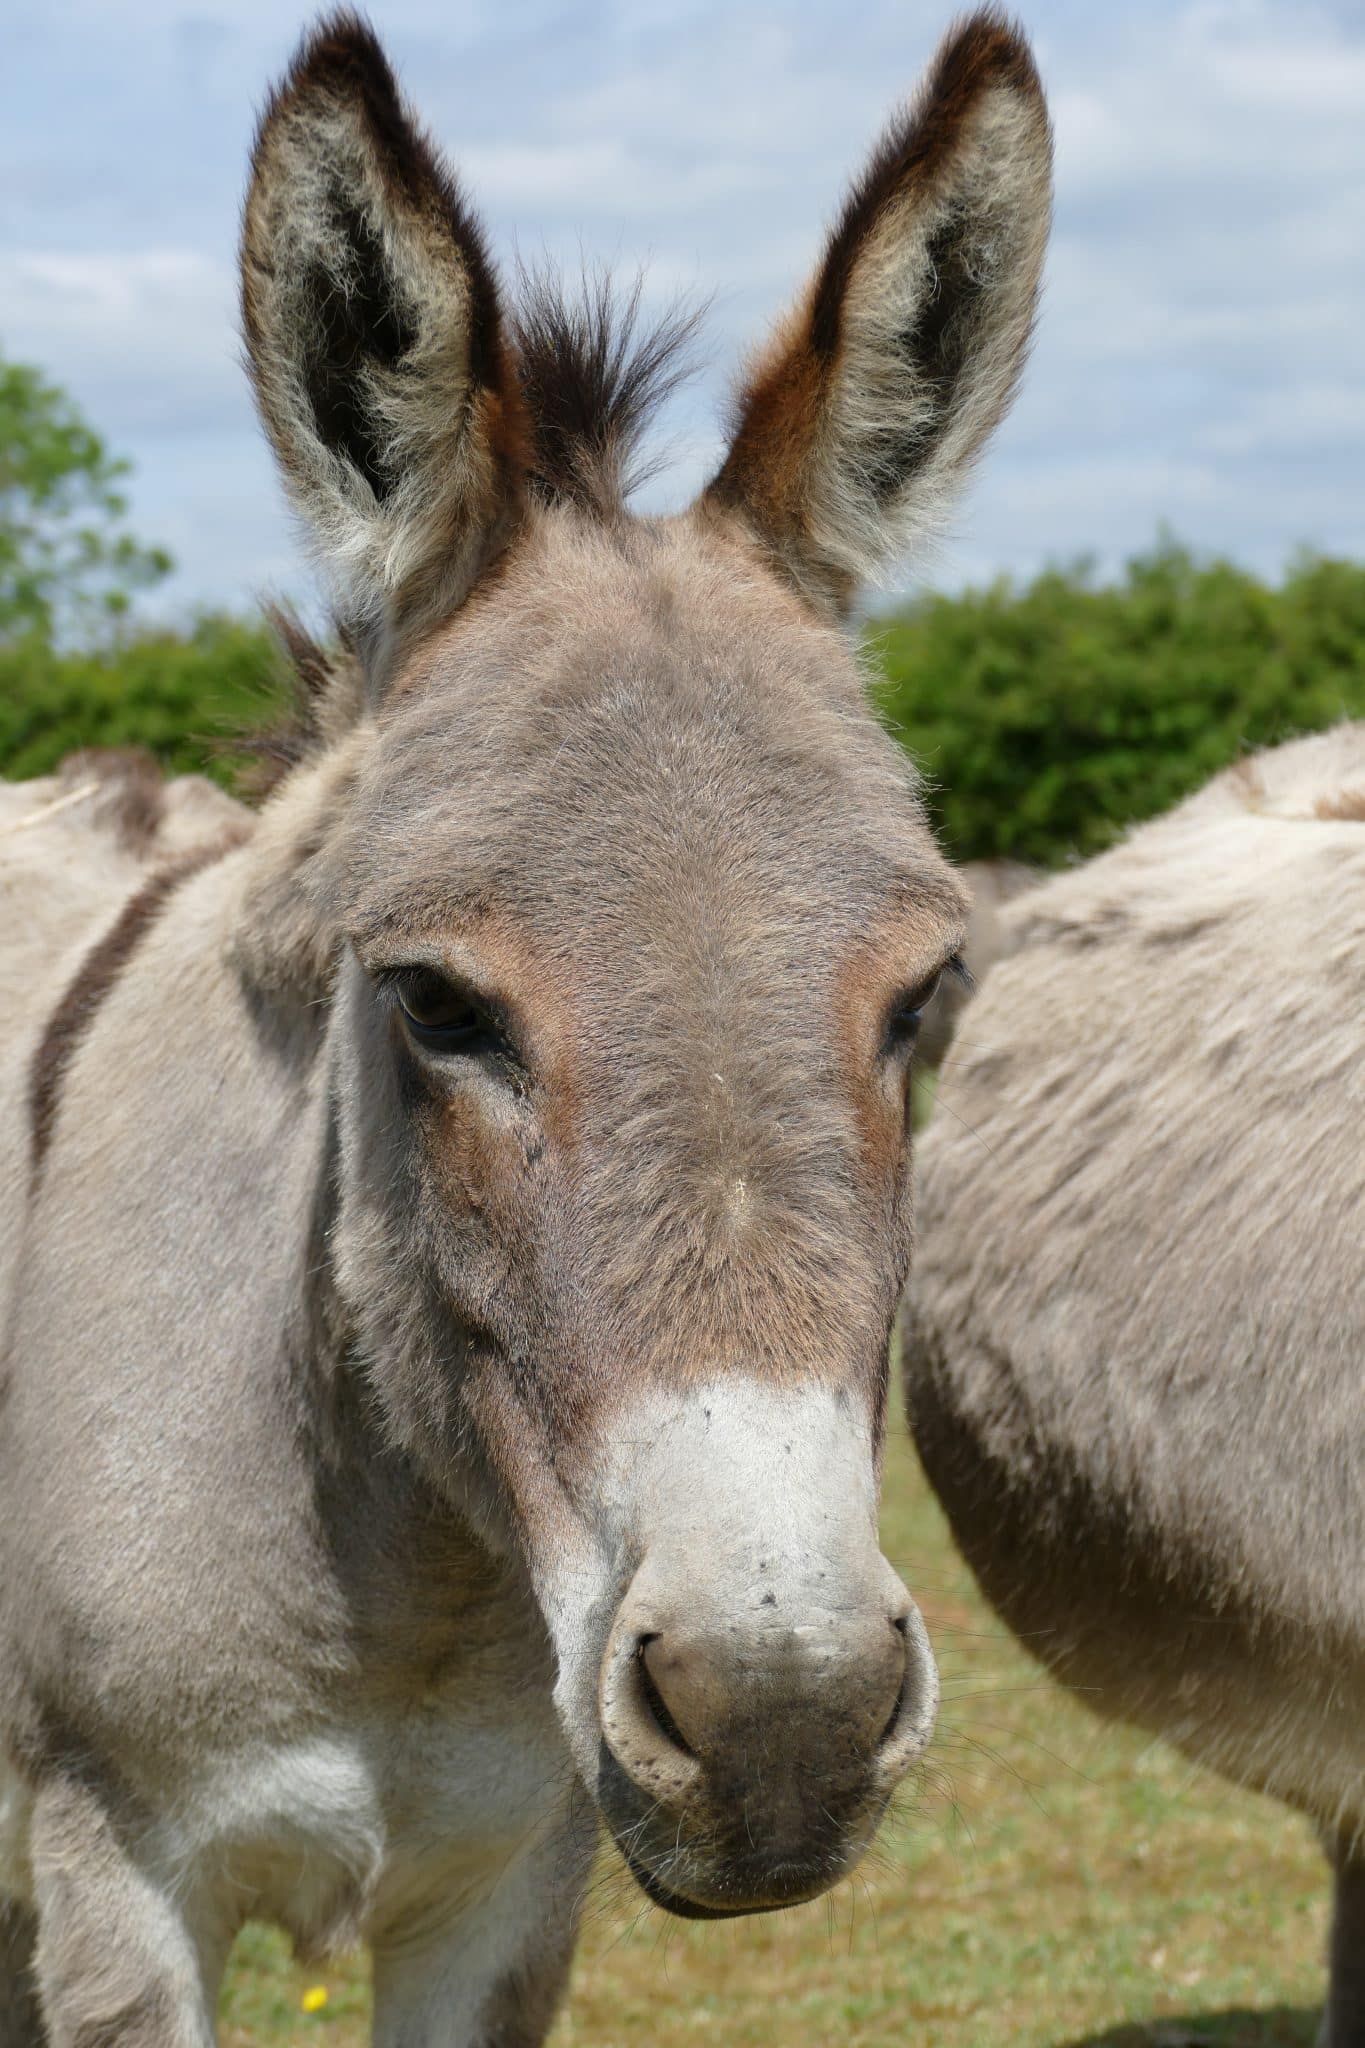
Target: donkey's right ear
{"x": 375, "y": 339}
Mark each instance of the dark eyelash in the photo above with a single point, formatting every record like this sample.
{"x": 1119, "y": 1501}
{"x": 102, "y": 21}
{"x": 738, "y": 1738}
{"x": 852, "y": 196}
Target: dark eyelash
{"x": 471, "y": 1027}
{"x": 902, "y": 1026}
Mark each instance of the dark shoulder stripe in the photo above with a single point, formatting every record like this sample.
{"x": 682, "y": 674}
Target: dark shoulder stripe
{"x": 69, "y": 1023}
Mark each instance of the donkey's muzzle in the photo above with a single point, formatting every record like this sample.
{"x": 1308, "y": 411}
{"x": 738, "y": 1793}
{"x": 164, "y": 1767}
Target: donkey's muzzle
{"x": 752, "y": 1735}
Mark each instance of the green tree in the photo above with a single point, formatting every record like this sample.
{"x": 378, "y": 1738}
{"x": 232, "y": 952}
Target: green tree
{"x": 68, "y": 565}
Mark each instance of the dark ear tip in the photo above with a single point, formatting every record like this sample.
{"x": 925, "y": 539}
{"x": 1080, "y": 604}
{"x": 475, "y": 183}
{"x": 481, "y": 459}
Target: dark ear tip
{"x": 987, "y": 47}
{"x": 341, "y": 53}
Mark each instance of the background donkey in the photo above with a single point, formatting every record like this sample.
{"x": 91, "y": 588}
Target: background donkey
{"x": 1134, "y": 1358}
{"x": 458, "y": 1215}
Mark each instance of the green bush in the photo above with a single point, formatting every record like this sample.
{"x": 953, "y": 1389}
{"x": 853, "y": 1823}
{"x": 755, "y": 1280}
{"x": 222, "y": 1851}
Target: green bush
{"x": 73, "y": 671}
{"x": 186, "y": 696}
{"x": 1047, "y": 718}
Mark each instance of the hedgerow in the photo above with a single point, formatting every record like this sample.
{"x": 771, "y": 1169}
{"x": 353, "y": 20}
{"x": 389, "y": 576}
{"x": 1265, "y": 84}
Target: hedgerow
{"x": 1049, "y": 717}
{"x": 187, "y": 696}
{"x": 1046, "y": 717}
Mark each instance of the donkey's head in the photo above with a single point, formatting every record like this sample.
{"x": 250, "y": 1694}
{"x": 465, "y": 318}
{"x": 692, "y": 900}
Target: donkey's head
{"x": 640, "y": 912}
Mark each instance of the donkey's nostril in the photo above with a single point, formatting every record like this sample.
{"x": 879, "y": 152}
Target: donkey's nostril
{"x": 640, "y": 1726}
{"x": 907, "y": 1732}
{"x": 654, "y": 1700}
{"x": 899, "y": 1705}
{"x": 697, "y": 1699}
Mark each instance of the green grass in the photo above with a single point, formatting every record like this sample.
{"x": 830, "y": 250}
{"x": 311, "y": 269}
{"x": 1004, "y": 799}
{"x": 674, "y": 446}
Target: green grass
{"x": 1057, "y": 1884}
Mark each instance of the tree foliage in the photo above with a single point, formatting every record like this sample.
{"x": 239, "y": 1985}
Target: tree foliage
{"x": 187, "y": 696}
{"x": 68, "y": 565}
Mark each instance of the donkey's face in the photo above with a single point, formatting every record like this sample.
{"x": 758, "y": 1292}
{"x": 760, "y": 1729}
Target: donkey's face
{"x": 641, "y": 911}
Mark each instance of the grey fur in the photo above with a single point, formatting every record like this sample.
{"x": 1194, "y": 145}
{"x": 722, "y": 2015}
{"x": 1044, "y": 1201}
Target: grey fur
{"x": 1134, "y": 1355}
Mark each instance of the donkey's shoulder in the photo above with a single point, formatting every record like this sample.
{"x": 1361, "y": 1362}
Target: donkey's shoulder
{"x": 75, "y": 844}
{"x": 77, "y": 848}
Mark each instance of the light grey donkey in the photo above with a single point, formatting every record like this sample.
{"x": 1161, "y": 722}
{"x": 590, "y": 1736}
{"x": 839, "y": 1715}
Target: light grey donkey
{"x": 454, "y": 1216}
{"x": 1135, "y": 1358}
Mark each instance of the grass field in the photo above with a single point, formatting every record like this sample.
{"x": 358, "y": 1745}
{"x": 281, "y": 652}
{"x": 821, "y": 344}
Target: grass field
{"x": 1059, "y": 1884}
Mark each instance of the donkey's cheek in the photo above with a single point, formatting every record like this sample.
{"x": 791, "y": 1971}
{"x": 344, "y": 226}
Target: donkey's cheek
{"x": 482, "y": 1164}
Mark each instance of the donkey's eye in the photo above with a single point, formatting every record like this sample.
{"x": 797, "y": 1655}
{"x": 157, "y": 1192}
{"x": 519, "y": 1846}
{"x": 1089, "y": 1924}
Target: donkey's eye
{"x": 909, "y": 1008}
{"x": 442, "y": 1016}
{"x": 905, "y": 1018}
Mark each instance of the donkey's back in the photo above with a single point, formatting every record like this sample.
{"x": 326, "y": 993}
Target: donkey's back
{"x": 75, "y": 846}
{"x": 1139, "y": 1317}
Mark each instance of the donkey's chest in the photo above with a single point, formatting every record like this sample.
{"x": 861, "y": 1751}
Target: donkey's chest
{"x": 367, "y": 1825}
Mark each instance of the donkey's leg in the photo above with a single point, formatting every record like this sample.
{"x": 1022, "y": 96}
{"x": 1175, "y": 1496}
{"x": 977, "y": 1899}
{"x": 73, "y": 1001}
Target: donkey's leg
{"x": 1344, "y": 2024}
{"x": 21, "y": 2023}
{"x": 494, "y": 1977}
{"x": 118, "y": 1962}
{"x": 492, "y": 1980}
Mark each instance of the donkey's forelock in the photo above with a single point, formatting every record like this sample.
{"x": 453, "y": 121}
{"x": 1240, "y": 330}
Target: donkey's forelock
{"x": 594, "y": 375}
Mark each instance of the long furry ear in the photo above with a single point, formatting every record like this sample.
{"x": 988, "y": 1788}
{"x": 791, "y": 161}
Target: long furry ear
{"x": 375, "y": 339}
{"x": 878, "y": 390}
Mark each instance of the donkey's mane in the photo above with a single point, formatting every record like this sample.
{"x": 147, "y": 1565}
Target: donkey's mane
{"x": 321, "y": 688}
{"x": 593, "y": 375}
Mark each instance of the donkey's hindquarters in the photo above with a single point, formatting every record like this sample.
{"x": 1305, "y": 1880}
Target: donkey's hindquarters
{"x": 1134, "y": 1346}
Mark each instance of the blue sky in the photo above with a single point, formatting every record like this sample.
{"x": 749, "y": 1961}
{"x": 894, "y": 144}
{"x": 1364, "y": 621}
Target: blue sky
{"x": 1201, "y": 356}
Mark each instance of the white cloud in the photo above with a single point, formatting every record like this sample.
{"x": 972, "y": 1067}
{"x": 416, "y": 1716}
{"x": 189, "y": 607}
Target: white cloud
{"x": 611, "y": 176}
{"x": 147, "y": 338}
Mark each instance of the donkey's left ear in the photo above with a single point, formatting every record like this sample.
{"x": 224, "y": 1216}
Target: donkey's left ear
{"x": 375, "y": 339}
{"x": 877, "y": 392}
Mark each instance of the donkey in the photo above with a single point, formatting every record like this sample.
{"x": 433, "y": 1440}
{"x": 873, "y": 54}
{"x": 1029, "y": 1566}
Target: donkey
{"x": 1134, "y": 1354}
{"x": 460, "y": 1208}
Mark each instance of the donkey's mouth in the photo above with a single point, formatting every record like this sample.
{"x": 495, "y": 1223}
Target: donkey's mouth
{"x": 792, "y": 1887}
